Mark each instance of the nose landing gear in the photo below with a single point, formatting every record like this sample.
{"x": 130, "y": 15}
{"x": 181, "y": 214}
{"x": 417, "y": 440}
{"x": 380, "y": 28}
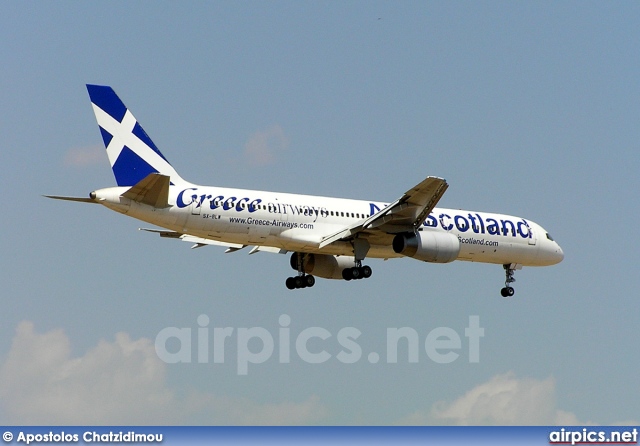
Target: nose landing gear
{"x": 509, "y": 271}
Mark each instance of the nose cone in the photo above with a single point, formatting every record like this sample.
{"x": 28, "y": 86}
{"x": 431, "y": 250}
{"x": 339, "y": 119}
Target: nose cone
{"x": 550, "y": 253}
{"x": 558, "y": 254}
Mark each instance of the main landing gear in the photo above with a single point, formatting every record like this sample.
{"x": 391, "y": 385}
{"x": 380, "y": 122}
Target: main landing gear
{"x": 302, "y": 280}
{"x": 357, "y": 272}
{"x": 360, "y": 249}
{"x": 509, "y": 271}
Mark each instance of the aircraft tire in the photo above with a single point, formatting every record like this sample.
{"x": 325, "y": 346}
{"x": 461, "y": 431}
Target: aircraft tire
{"x": 310, "y": 281}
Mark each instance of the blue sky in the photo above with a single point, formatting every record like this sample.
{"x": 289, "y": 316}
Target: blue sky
{"x": 526, "y": 108}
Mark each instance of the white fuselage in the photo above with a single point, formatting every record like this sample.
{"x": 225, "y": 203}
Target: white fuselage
{"x": 299, "y": 222}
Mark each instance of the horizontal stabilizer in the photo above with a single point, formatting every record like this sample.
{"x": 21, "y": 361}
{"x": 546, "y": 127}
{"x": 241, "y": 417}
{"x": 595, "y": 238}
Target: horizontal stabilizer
{"x": 152, "y": 190}
{"x": 80, "y": 199}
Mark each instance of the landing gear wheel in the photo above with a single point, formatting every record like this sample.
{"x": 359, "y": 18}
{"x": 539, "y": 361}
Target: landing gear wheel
{"x": 309, "y": 281}
{"x": 302, "y": 280}
{"x": 346, "y": 274}
{"x": 507, "y": 291}
{"x": 509, "y": 271}
{"x": 366, "y": 271}
{"x": 356, "y": 273}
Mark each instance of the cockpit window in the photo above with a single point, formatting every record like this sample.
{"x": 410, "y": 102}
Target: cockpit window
{"x": 549, "y": 236}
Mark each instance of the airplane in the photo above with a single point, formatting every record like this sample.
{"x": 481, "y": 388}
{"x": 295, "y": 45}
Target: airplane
{"x": 328, "y": 237}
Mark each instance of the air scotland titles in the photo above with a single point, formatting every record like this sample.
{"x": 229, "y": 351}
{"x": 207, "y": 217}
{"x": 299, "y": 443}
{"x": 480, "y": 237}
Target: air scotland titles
{"x": 469, "y": 222}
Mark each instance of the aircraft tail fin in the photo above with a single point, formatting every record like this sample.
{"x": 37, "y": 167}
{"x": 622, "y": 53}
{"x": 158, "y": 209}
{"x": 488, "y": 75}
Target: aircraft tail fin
{"x": 132, "y": 154}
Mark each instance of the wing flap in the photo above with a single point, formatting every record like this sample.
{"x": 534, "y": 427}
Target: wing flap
{"x": 271, "y": 249}
{"x": 198, "y": 241}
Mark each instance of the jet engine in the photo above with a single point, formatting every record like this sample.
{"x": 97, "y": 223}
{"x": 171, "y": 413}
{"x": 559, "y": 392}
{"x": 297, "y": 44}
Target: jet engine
{"x": 428, "y": 246}
{"x": 323, "y": 265}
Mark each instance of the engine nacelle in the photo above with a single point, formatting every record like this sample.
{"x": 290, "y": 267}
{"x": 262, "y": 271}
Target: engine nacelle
{"x": 428, "y": 246}
{"x": 323, "y": 265}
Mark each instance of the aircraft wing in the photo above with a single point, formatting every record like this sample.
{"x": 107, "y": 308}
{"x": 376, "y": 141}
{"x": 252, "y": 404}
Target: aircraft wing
{"x": 198, "y": 241}
{"x": 405, "y": 214}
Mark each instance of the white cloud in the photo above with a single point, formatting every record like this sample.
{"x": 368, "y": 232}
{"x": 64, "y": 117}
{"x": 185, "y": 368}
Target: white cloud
{"x": 264, "y": 146}
{"x": 119, "y": 382}
{"x": 113, "y": 383}
{"x": 85, "y": 156}
{"x": 503, "y": 400}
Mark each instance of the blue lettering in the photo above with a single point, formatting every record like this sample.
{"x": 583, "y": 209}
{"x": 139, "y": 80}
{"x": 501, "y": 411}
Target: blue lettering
{"x": 228, "y": 203}
{"x": 373, "y": 209}
{"x": 215, "y": 203}
{"x": 431, "y": 221}
{"x": 481, "y": 223}
{"x": 252, "y": 205}
{"x": 180, "y": 201}
{"x": 504, "y": 227}
{"x": 473, "y": 224}
{"x": 461, "y": 227}
{"x": 202, "y": 198}
{"x": 239, "y": 204}
{"x": 444, "y": 226}
{"x": 314, "y": 213}
{"x": 529, "y": 233}
{"x": 493, "y": 228}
